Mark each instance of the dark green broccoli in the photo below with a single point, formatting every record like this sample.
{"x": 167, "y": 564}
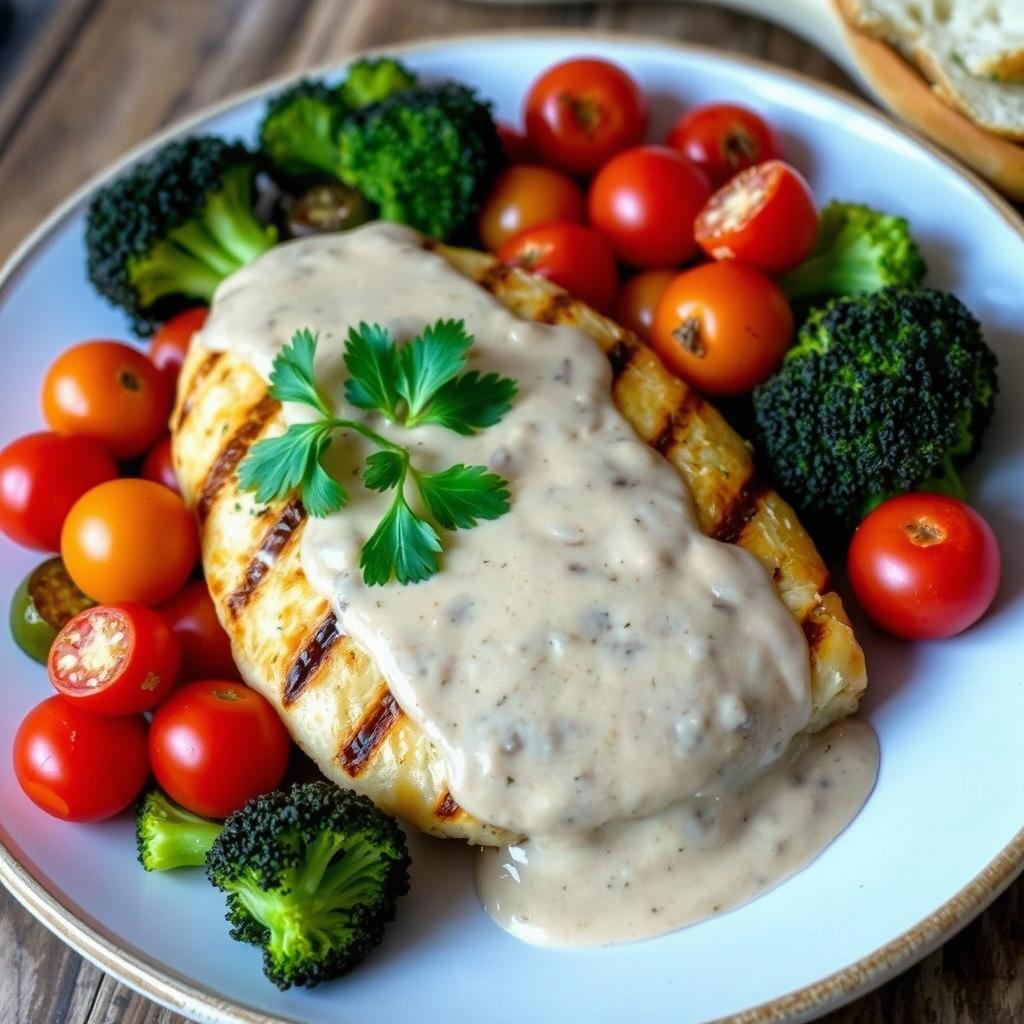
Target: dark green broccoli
{"x": 858, "y": 250}
{"x": 166, "y": 233}
{"x": 299, "y": 131}
{"x": 171, "y": 837}
{"x": 882, "y": 394}
{"x": 312, "y": 876}
{"x": 374, "y": 79}
{"x": 425, "y": 156}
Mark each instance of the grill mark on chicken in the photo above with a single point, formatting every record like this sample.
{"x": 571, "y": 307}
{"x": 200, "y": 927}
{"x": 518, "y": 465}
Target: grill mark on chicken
{"x": 380, "y": 717}
{"x": 620, "y": 355}
{"x": 738, "y": 512}
{"x": 495, "y": 277}
{"x": 232, "y": 454}
{"x": 203, "y": 370}
{"x": 274, "y": 541}
{"x": 313, "y": 654}
{"x": 815, "y": 630}
{"x": 556, "y": 309}
{"x": 446, "y": 808}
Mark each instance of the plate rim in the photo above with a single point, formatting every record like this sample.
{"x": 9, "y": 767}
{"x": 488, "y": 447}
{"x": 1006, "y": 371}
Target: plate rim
{"x": 155, "y": 980}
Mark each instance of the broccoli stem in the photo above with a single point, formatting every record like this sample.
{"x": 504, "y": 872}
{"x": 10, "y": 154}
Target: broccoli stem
{"x": 170, "y": 837}
{"x": 843, "y": 269}
{"x": 229, "y": 219}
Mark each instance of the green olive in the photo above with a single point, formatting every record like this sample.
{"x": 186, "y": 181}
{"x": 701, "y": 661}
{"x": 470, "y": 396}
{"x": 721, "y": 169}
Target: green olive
{"x": 44, "y": 601}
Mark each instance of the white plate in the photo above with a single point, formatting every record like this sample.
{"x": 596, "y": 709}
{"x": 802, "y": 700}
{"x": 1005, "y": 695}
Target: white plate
{"x": 937, "y": 841}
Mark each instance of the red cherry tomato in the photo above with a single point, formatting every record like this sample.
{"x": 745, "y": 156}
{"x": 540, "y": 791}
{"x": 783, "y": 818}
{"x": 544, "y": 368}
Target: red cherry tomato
{"x": 638, "y": 299}
{"x": 514, "y": 143}
{"x": 924, "y": 566}
{"x": 571, "y": 255}
{"x": 723, "y": 327}
{"x": 723, "y": 139}
{"x": 115, "y": 659}
{"x": 644, "y": 202}
{"x": 525, "y": 196}
{"x": 79, "y": 766}
{"x": 581, "y": 112}
{"x": 159, "y": 466}
{"x": 205, "y": 647}
{"x": 214, "y": 745}
{"x": 764, "y": 217}
{"x": 169, "y": 346}
{"x": 41, "y": 476}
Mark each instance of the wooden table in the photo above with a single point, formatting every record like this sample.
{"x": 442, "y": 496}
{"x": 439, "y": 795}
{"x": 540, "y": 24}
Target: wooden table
{"x": 104, "y": 74}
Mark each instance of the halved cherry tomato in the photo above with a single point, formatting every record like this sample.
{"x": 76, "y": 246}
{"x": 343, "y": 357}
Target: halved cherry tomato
{"x": 525, "y": 196}
{"x": 514, "y": 143}
{"x": 571, "y": 255}
{"x": 115, "y": 659}
{"x": 41, "y": 476}
{"x": 129, "y": 540}
{"x": 638, "y": 299}
{"x": 158, "y": 465}
{"x": 723, "y": 139}
{"x": 110, "y": 392}
{"x": 79, "y": 766}
{"x": 764, "y": 217}
{"x": 581, "y": 112}
{"x": 924, "y": 566}
{"x": 644, "y": 202}
{"x": 205, "y": 647}
{"x": 723, "y": 327}
{"x": 214, "y": 745}
{"x": 169, "y": 345}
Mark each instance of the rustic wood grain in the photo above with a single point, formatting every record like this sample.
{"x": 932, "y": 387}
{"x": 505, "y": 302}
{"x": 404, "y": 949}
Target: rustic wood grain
{"x": 105, "y": 74}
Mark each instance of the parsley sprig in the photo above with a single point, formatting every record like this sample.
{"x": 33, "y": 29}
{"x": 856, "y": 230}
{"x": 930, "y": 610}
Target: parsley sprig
{"x": 418, "y": 383}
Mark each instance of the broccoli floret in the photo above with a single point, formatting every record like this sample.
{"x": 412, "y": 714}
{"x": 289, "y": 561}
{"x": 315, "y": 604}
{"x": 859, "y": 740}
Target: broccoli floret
{"x": 299, "y": 131}
{"x": 171, "y": 229}
{"x": 312, "y": 876}
{"x": 858, "y": 250}
{"x": 882, "y": 394}
{"x": 374, "y": 79}
{"x": 425, "y": 156}
{"x": 171, "y": 837}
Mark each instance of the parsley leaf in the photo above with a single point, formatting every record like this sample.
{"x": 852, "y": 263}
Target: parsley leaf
{"x": 460, "y": 496}
{"x": 371, "y": 357}
{"x": 430, "y": 360}
{"x": 469, "y": 403}
{"x": 292, "y": 378}
{"x": 403, "y": 545}
{"x": 384, "y": 470}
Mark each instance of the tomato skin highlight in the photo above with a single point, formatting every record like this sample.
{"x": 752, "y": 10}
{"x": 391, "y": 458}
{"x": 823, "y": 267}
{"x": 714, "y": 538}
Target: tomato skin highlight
{"x": 765, "y": 217}
{"x": 526, "y": 196}
{"x": 644, "y": 202}
{"x": 158, "y": 466}
{"x": 723, "y": 139}
{"x": 214, "y": 745}
{"x": 79, "y": 766}
{"x": 205, "y": 647}
{"x": 638, "y": 299}
{"x": 723, "y": 327}
{"x": 582, "y": 111}
{"x": 110, "y": 392}
{"x": 169, "y": 346}
{"x": 924, "y": 566}
{"x": 129, "y": 540}
{"x": 115, "y": 659}
{"x": 41, "y": 476}
{"x": 572, "y": 255}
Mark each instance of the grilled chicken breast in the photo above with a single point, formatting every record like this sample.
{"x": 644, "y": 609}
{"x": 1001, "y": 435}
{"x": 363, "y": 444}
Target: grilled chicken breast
{"x": 333, "y": 700}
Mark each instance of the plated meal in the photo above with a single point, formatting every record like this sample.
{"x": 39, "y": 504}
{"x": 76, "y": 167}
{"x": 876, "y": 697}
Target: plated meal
{"x": 473, "y": 534}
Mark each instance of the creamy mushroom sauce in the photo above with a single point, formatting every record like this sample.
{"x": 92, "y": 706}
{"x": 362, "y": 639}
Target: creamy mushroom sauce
{"x": 587, "y": 660}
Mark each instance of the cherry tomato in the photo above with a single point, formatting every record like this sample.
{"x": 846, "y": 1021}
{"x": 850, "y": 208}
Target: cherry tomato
{"x": 129, "y": 540}
{"x": 169, "y": 346}
{"x": 764, "y": 217}
{"x": 644, "y": 202}
{"x": 214, "y": 745}
{"x": 581, "y": 112}
{"x": 79, "y": 766}
{"x": 514, "y": 143}
{"x": 571, "y": 255}
{"x": 924, "y": 566}
{"x": 115, "y": 659}
{"x": 46, "y": 599}
{"x": 525, "y": 196}
{"x": 107, "y": 391}
{"x": 41, "y": 476}
{"x": 638, "y": 300}
{"x": 723, "y": 327}
{"x": 723, "y": 139}
{"x": 205, "y": 647}
{"x": 158, "y": 465}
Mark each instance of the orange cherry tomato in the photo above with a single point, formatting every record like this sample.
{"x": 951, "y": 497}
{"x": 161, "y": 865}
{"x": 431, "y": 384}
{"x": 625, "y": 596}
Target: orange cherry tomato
{"x": 764, "y": 217}
{"x": 205, "y": 647}
{"x": 638, "y": 299}
{"x": 129, "y": 540}
{"x": 524, "y": 196}
{"x": 159, "y": 466}
{"x": 169, "y": 346}
{"x": 723, "y": 139}
{"x": 107, "y": 391}
{"x": 723, "y": 327}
